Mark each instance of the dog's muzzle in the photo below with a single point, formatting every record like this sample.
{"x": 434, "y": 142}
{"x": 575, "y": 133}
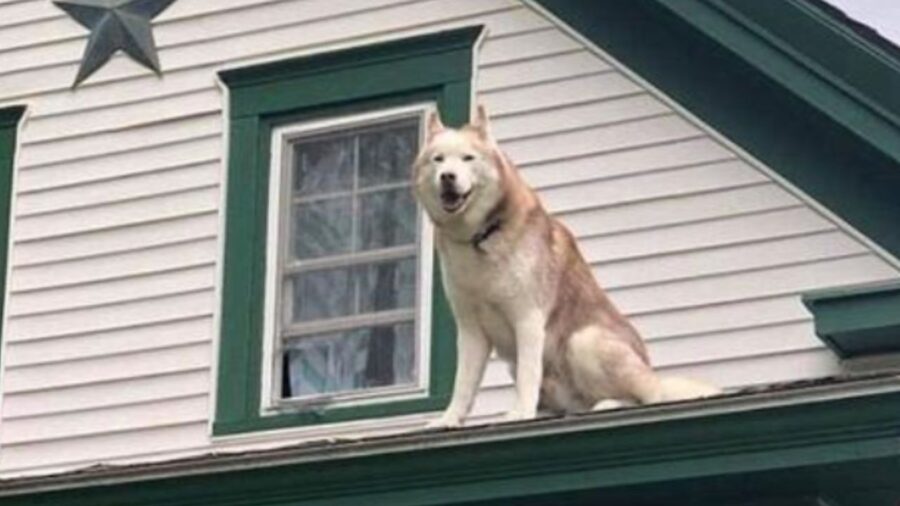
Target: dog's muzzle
{"x": 451, "y": 198}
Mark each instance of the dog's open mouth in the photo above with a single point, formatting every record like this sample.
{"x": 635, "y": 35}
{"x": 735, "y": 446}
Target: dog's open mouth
{"x": 452, "y": 200}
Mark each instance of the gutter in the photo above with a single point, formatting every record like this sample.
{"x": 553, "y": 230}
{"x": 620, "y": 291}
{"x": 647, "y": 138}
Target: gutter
{"x": 752, "y": 399}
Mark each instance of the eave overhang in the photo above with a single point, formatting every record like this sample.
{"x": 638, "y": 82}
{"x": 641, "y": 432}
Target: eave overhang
{"x": 715, "y": 449}
{"x": 784, "y": 80}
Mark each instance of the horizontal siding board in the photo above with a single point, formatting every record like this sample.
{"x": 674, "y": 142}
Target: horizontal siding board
{"x": 129, "y": 187}
{"x": 96, "y": 397}
{"x": 108, "y": 243}
{"x": 712, "y": 319}
{"x": 122, "y": 141}
{"x": 123, "y": 114}
{"x": 604, "y": 138}
{"x": 794, "y": 279}
{"x": 544, "y": 41}
{"x": 538, "y": 70}
{"x": 554, "y": 94}
{"x": 730, "y": 230}
{"x": 626, "y": 162}
{"x": 187, "y": 152}
{"x": 119, "y": 316}
{"x": 729, "y": 345}
{"x": 107, "y": 369}
{"x": 152, "y": 336}
{"x": 685, "y": 209}
{"x": 162, "y": 442}
{"x": 21, "y": 13}
{"x": 625, "y": 273}
{"x": 110, "y": 292}
{"x": 197, "y": 252}
{"x": 54, "y": 428}
{"x": 654, "y": 185}
{"x": 166, "y": 207}
{"x": 575, "y": 117}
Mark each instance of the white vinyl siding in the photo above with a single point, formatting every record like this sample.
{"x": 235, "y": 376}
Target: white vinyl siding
{"x": 110, "y": 341}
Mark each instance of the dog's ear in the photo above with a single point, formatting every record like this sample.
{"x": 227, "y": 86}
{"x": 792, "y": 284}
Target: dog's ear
{"x": 435, "y": 125}
{"x": 482, "y": 124}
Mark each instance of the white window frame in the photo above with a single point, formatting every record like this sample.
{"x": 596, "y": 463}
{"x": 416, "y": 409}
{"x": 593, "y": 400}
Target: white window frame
{"x": 277, "y": 235}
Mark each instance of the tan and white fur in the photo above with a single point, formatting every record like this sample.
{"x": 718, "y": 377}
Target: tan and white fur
{"x": 518, "y": 284}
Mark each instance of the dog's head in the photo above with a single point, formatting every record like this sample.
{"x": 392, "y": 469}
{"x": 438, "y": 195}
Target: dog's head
{"x": 457, "y": 171}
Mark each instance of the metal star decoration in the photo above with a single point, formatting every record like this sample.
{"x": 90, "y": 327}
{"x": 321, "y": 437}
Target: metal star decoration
{"x": 115, "y": 25}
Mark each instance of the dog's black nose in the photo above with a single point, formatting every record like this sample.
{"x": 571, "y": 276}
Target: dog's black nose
{"x": 448, "y": 177}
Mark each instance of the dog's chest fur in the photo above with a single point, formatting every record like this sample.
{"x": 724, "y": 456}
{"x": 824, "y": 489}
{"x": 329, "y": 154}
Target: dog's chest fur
{"x": 492, "y": 284}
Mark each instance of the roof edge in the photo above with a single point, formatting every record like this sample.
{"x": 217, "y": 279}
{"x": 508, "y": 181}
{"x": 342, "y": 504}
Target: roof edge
{"x": 763, "y": 95}
{"x": 811, "y": 415}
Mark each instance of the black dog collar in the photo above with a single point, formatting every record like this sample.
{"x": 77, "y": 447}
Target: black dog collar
{"x": 490, "y": 227}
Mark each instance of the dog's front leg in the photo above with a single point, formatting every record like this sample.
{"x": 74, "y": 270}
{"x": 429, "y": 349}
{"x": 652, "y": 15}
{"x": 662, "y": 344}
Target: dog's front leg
{"x": 530, "y": 336}
{"x": 472, "y": 352}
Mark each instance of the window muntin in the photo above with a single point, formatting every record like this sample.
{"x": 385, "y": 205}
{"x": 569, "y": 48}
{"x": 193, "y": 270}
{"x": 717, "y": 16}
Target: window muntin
{"x": 349, "y": 309}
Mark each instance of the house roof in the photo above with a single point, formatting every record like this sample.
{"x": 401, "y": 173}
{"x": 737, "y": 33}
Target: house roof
{"x": 802, "y": 423}
{"x": 863, "y": 31}
{"x": 800, "y": 87}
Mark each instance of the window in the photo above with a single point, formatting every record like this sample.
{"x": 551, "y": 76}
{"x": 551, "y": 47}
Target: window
{"x": 332, "y": 308}
{"x": 348, "y": 304}
{"x": 9, "y": 122}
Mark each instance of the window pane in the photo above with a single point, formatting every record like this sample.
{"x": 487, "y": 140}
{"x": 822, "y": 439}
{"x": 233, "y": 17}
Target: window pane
{"x": 321, "y": 294}
{"x": 353, "y": 360}
{"x": 386, "y": 155}
{"x": 323, "y": 227}
{"x": 387, "y": 285}
{"x": 387, "y": 218}
{"x": 323, "y": 165}
{"x": 332, "y": 293}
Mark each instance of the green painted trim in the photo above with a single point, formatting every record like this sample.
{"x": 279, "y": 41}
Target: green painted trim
{"x": 10, "y": 116}
{"x": 9, "y": 124}
{"x": 837, "y": 447}
{"x": 740, "y": 67}
{"x": 436, "y": 68}
{"x": 858, "y": 321}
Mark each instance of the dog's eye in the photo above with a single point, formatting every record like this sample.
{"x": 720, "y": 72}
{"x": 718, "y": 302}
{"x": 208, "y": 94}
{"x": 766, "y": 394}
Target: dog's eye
{"x": 468, "y": 158}
{"x": 438, "y": 158}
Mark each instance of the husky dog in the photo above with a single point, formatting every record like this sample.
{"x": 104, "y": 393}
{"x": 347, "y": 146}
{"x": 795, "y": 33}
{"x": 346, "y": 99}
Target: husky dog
{"x": 518, "y": 284}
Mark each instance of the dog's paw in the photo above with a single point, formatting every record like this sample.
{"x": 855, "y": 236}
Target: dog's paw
{"x": 517, "y": 415}
{"x": 445, "y": 422}
{"x": 608, "y": 404}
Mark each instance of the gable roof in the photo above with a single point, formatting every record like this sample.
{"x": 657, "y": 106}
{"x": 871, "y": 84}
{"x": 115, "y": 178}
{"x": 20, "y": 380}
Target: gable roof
{"x": 792, "y": 83}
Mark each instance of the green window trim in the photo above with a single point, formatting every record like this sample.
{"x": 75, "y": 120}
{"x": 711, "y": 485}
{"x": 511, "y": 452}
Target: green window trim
{"x": 9, "y": 124}
{"x": 858, "y": 321}
{"x": 431, "y": 68}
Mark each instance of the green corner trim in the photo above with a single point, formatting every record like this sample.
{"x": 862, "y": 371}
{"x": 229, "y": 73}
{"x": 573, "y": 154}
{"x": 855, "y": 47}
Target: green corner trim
{"x": 834, "y": 447}
{"x": 788, "y": 84}
{"x": 9, "y": 124}
{"x": 431, "y": 68}
{"x": 858, "y": 321}
{"x": 10, "y": 116}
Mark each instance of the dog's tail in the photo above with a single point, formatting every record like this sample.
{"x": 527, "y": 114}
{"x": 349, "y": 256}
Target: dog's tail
{"x": 682, "y": 389}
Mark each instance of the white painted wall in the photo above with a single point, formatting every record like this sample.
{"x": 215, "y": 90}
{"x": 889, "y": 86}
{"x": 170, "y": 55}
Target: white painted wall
{"x": 109, "y": 345}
